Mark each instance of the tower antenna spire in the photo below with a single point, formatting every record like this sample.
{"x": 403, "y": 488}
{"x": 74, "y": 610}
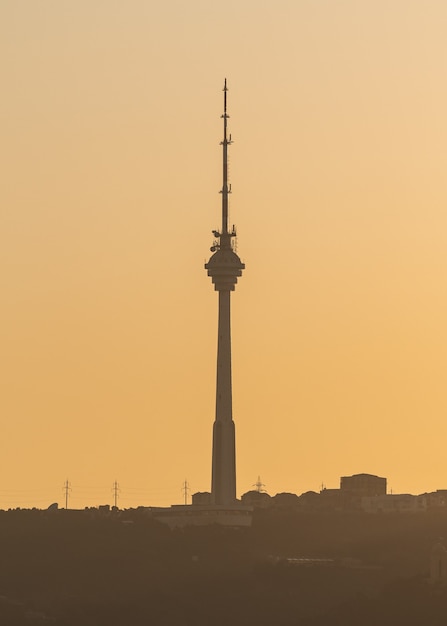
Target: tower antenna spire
{"x": 226, "y": 190}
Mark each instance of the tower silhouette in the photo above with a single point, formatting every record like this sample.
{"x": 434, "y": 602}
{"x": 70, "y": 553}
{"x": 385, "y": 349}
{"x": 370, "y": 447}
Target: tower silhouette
{"x": 224, "y": 267}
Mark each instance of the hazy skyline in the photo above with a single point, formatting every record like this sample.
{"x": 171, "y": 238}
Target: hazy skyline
{"x": 111, "y": 168}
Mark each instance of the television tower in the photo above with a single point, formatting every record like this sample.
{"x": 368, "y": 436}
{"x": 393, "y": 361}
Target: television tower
{"x": 224, "y": 267}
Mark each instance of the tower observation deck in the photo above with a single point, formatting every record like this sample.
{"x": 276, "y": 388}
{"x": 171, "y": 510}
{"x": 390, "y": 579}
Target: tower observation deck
{"x": 224, "y": 268}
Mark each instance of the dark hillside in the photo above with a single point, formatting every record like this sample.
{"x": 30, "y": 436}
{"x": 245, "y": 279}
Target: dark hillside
{"x": 125, "y": 569}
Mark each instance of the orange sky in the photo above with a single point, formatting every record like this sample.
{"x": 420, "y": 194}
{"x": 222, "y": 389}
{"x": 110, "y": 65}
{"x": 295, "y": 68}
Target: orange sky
{"x": 111, "y": 166}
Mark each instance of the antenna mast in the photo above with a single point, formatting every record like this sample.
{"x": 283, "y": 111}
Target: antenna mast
{"x": 259, "y": 485}
{"x": 186, "y": 489}
{"x": 223, "y": 237}
{"x": 225, "y": 188}
{"x": 67, "y": 489}
{"x": 115, "y": 489}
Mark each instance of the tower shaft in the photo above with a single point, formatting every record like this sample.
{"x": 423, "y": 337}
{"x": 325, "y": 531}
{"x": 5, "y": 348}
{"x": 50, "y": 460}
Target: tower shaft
{"x": 223, "y": 482}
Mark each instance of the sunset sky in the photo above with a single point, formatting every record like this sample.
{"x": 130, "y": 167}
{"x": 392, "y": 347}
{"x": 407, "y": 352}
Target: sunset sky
{"x": 110, "y": 172}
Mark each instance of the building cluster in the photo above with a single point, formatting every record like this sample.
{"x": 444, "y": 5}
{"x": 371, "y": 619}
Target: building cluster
{"x": 361, "y": 492}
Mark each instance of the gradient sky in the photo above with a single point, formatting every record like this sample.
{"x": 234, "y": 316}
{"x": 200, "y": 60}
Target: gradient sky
{"x": 110, "y": 172}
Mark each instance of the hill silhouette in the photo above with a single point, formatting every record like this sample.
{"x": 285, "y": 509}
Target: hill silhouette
{"x": 92, "y": 568}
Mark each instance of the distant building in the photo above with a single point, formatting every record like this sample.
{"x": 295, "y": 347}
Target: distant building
{"x": 257, "y": 499}
{"x": 201, "y": 497}
{"x": 285, "y": 500}
{"x": 331, "y": 499}
{"x": 181, "y": 515}
{"x": 354, "y": 488}
{"x": 309, "y": 500}
{"x": 436, "y": 499}
{"x": 363, "y": 485}
{"x": 394, "y": 503}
